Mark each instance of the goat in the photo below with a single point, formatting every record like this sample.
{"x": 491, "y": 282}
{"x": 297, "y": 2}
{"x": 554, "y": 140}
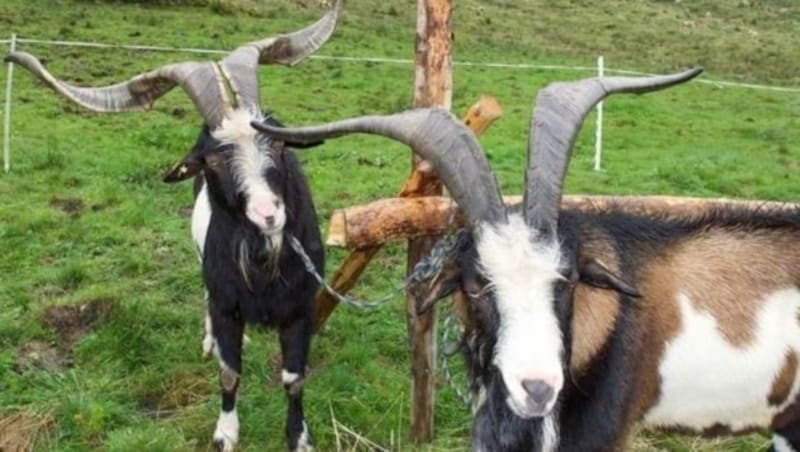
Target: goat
{"x": 250, "y": 195}
{"x": 582, "y": 324}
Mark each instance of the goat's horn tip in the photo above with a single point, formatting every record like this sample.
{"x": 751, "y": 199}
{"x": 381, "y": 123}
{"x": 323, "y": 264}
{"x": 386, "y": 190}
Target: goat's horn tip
{"x": 697, "y": 70}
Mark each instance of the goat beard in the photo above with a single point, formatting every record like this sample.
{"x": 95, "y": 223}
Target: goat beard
{"x": 261, "y": 252}
{"x": 496, "y": 428}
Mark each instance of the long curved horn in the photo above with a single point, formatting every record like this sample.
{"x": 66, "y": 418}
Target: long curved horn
{"x": 200, "y": 80}
{"x": 557, "y": 118}
{"x": 241, "y": 65}
{"x": 437, "y": 136}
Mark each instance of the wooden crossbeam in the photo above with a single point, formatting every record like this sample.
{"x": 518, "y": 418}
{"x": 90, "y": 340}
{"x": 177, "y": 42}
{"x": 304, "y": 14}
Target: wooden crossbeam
{"x": 394, "y": 219}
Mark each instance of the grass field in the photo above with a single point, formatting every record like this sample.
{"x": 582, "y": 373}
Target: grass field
{"x": 100, "y": 296}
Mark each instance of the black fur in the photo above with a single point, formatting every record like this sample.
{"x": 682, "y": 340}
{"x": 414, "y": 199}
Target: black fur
{"x": 246, "y": 281}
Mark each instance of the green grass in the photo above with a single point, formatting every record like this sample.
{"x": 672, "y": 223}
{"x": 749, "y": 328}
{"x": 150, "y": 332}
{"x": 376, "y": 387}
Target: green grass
{"x": 84, "y": 217}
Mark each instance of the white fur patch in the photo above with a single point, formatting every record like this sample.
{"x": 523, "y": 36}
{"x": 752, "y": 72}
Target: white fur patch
{"x": 781, "y": 445}
{"x": 249, "y": 165}
{"x": 304, "y": 442}
{"x": 522, "y": 270}
{"x": 201, "y": 217}
{"x": 549, "y": 434}
{"x": 289, "y": 377}
{"x": 707, "y": 381}
{"x": 227, "y": 430}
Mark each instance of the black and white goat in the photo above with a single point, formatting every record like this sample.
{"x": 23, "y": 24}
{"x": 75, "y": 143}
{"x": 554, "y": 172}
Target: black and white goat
{"x": 251, "y": 195}
{"x": 582, "y": 324}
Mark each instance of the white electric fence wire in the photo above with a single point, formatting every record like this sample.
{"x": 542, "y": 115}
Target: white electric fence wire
{"x": 545, "y": 67}
{"x": 553, "y": 67}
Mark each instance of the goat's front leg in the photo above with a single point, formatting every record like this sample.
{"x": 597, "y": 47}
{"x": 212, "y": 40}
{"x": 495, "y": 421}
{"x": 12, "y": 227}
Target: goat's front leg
{"x": 295, "y": 340}
{"x": 227, "y": 329}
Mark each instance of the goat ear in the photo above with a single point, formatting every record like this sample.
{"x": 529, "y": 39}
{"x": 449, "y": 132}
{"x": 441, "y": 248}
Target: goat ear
{"x": 596, "y": 274}
{"x": 185, "y": 169}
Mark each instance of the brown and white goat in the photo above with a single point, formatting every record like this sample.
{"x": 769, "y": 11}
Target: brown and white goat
{"x": 250, "y": 195}
{"x": 582, "y": 324}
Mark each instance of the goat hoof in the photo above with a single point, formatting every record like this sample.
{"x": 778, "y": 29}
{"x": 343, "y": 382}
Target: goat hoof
{"x": 226, "y": 435}
{"x": 221, "y": 446}
{"x": 304, "y": 441}
{"x": 224, "y": 445}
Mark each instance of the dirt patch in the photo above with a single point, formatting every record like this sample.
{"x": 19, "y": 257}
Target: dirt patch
{"x": 41, "y": 355}
{"x": 71, "y": 322}
{"x": 97, "y": 207}
{"x": 70, "y": 206}
{"x": 19, "y": 431}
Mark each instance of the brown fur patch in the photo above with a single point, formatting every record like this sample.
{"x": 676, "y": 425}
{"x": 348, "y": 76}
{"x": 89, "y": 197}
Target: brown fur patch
{"x": 789, "y": 416}
{"x": 594, "y": 314}
{"x": 782, "y": 385}
{"x": 228, "y": 379}
{"x": 295, "y": 388}
{"x": 725, "y": 274}
{"x": 595, "y": 310}
{"x": 658, "y": 322}
{"x": 728, "y": 275}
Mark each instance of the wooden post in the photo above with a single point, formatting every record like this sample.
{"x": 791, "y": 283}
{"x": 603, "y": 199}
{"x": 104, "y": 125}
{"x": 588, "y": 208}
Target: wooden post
{"x": 432, "y": 88}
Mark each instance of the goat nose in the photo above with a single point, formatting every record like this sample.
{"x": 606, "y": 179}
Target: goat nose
{"x": 539, "y": 391}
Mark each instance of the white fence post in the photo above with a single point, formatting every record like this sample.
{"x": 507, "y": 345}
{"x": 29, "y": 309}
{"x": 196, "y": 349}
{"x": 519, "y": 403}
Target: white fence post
{"x": 598, "y": 138}
{"x": 7, "y": 112}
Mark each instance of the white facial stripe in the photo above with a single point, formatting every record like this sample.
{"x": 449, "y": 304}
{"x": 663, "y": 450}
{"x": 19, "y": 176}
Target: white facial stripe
{"x": 249, "y": 165}
{"x": 522, "y": 271}
{"x": 706, "y": 381}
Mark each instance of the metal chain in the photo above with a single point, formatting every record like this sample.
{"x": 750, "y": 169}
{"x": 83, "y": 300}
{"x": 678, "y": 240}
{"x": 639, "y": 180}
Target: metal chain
{"x": 450, "y": 324}
{"x": 425, "y": 269}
